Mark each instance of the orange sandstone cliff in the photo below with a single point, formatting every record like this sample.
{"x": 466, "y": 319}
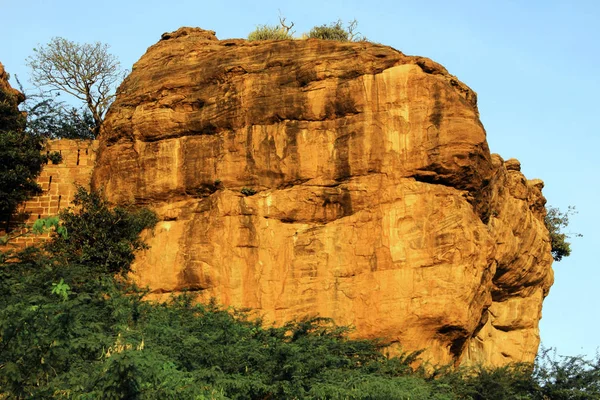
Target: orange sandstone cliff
{"x": 349, "y": 180}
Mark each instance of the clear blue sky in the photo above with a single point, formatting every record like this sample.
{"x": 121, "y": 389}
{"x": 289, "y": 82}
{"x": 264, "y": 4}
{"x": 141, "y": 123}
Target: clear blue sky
{"x": 535, "y": 65}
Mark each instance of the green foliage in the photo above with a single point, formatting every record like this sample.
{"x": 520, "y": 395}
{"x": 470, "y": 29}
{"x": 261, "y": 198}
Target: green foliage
{"x": 44, "y": 225}
{"x": 336, "y": 31}
{"x": 55, "y": 157}
{"x": 333, "y": 31}
{"x": 20, "y": 157}
{"x": 269, "y": 32}
{"x": 61, "y": 308}
{"x": 556, "y": 222}
{"x": 61, "y": 289}
{"x": 567, "y": 377}
{"x": 21, "y": 162}
{"x": 248, "y": 191}
{"x": 509, "y": 382}
{"x": 11, "y": 119}
{"x": 51, "y": 119}
{"x": 110, "y": 249}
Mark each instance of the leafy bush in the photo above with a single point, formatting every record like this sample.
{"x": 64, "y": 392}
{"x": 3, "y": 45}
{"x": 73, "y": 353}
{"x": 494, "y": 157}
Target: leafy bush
{"x": 556, "y": 221}
{"x": 248, "y": 191}
{"x": 267, "y": 32}
{"x": 333, "y": 31}
{"x": 51, "y": 119}
{"x": 336, "y": 31}
{"x": 100, "y": 236}
{"x": 55, "y": 157}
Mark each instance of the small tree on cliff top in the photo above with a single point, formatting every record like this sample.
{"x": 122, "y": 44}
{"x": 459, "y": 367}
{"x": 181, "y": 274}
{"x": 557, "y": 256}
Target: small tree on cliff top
{"x": 86, "y": 71}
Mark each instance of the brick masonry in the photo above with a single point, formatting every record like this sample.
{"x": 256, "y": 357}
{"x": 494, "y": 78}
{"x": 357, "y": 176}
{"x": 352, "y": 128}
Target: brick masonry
{"x": 59, "y": 185}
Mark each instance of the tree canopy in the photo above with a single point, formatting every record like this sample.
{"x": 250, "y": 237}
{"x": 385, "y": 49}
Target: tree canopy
{"x": 52, "y": 119}
{"x": 86, "y": 71}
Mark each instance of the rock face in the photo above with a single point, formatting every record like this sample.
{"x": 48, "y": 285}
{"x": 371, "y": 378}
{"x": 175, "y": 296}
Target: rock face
{"x": 349, "y": 180}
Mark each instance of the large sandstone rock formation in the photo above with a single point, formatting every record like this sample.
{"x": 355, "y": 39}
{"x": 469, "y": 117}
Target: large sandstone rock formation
{"x": 348, "y": 180}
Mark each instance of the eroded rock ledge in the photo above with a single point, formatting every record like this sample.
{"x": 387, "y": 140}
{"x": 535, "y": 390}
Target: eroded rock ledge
{"x": 377, "y": 201}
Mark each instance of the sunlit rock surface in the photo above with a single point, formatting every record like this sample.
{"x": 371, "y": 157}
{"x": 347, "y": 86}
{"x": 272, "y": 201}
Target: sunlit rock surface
{"x": 349, "y": 180}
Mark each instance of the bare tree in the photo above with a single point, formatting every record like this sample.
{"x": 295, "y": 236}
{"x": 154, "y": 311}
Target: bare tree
{"x": 286, "y": 28}
{"x": 353, "y": 35}
{"x": 86, "y": 71}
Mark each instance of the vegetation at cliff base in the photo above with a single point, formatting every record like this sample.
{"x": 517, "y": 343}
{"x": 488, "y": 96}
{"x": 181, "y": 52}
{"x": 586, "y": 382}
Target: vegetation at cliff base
{"x": 72, "y": 326}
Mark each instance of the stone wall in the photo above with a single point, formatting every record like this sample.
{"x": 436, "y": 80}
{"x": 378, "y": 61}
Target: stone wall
{"x": 59, "y": 185}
